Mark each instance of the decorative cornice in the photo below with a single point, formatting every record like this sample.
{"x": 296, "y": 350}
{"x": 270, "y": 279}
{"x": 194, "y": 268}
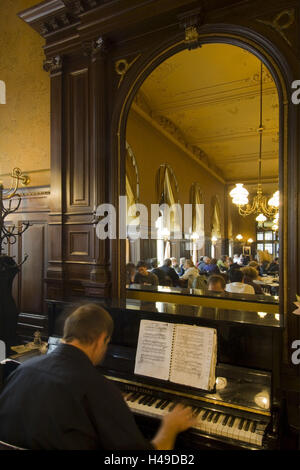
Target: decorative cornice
{"x": 140, "y": 102}
{"x": 78, "y": 7}
{"x": 53, "y": 65}
{"x": 55, "y": 15}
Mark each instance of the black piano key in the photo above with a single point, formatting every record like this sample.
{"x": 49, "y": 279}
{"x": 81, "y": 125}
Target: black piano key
{"x": 247, "y": 425}
{"x": 163, "y": 406}
{"x": 158, "y": 405}
{"x": 205, "y": 415}
{"x": 133, "y": 396}
{"x": 197, "y": 411}
{"x": 210, "y": 415}
{"x": 136, "y": 397}
{"x": 231, "y": 421}
{"x": 253, "y": 427}
{"x": 225, "y": 420}
{"x": 150, "y": 401}
{"x": 141, "y": 399}
{"x": 216, "y": 417}
{"x": 146, "y": 399}
{"x": 241, "y": 423}
{"x": 173, "y": 406}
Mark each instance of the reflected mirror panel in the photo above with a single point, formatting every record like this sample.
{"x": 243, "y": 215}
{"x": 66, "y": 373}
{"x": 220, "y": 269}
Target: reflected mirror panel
{"x": 202, "y": 181}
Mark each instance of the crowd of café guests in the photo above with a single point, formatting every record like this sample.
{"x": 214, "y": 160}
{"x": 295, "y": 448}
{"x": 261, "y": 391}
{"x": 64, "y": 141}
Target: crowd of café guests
{"x": 240, "y": 274}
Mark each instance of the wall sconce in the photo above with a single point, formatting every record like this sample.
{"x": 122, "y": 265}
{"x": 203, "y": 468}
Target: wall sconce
{"x": 214, "y": 239}
{"x": 249, "y": 240}
{"x": 239, "y": 237}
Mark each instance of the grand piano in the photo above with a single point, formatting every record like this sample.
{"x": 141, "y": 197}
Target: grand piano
{"x": 244, "y": 411}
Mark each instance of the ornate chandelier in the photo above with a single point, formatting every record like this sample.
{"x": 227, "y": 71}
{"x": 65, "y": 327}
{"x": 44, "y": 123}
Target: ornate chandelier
{"x": 260, "y": 205}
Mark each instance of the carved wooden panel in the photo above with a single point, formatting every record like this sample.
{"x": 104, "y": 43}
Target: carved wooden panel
{"x": 79, "y": 243}
{"x": 78, "y": 173}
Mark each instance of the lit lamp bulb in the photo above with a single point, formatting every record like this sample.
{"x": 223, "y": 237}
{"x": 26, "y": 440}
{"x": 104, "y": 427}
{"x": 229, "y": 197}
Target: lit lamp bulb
{"x": 214, "y": 239}
{"x": 261, "y": 218}
{"x": 239, "y": 195}
{"x": 261, "y": 314}
{"x": 250, "y": 240}
{"x": 239, "y": 237}
{"x": 274, "y": 200}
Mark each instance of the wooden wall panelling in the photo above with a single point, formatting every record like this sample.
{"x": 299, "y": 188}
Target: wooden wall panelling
{"x": 55, "y": 242}
{"x": 78, "y": 166}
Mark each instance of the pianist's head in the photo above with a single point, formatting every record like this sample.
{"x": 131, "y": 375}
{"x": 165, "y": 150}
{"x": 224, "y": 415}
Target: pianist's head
{"x": 89, "y": 328}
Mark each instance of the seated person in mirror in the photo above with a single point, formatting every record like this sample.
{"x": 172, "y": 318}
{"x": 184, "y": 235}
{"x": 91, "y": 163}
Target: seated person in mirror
{"x": 237, "y": 284}
{"x": 174, "y": 265}
{"x": 203, "y": 263}
{"x": 190, "y": 273}
{"x": 222, "y": 264}
{"x": 143, "y": 276}
{"x": 170, "y": 272}
{"x": 216, "y": 283}
{"x": 212, "y": 267}
{"x": 180, "y": 270}
{"x": 255, "y": 265}
{"x": 161, "y": 275}
{"x": 200, "y": 282}
{"x": 250, "y": 275}
{"x": 130, "y": 273}
{"x": 274, "y": 266}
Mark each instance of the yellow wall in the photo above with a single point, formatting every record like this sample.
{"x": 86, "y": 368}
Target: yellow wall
{"x": 25, "y": 118}
{"x": 151, "y": 149}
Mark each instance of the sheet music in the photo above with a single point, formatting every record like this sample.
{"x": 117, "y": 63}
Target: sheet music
{"x": 154, "y": 349}
{"x": 192, "y": 356}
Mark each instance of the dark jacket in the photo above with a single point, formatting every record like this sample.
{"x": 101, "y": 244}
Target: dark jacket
{"x": 61, "y": 401}
{"x": 171, "y": 273}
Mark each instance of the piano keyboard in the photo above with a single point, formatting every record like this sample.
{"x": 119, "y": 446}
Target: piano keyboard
{"x": 209, "y": 422}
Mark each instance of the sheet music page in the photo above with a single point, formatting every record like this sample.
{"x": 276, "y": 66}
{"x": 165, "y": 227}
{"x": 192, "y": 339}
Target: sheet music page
{"x": 153, "y": 354}
{"x": 193, "y": 352}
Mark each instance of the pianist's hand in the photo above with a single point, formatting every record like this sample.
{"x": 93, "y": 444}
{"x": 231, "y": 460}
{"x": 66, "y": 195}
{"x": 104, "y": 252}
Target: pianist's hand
{"x": 178, "y": 420}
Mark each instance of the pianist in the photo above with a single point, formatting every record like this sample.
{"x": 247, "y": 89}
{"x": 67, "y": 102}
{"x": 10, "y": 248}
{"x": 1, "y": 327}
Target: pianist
{"x": 61, "y": 401}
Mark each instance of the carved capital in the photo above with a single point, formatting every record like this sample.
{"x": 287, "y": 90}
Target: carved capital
{"x": 93, "y": 48}
{"x": 190, "y": 21}
{"x": 53, "y": 65}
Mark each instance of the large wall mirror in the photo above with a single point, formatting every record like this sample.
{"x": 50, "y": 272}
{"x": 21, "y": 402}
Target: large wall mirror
{"x": 203, "y": 134}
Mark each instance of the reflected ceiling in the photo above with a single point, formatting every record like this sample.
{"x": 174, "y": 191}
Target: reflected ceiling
{"x": 211, "y": 95}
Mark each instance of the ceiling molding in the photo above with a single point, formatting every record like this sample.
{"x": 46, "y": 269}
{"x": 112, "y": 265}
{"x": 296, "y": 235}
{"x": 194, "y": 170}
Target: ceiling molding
{"x": 253, "y": 181}
{"x": 169, "y": 130}
{"x": 236, "y": 136}
{"x": 246, "y": 157}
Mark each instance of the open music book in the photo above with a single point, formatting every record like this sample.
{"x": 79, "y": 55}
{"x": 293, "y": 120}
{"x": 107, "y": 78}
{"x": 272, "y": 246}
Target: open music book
{"x": 184, "y": 354}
